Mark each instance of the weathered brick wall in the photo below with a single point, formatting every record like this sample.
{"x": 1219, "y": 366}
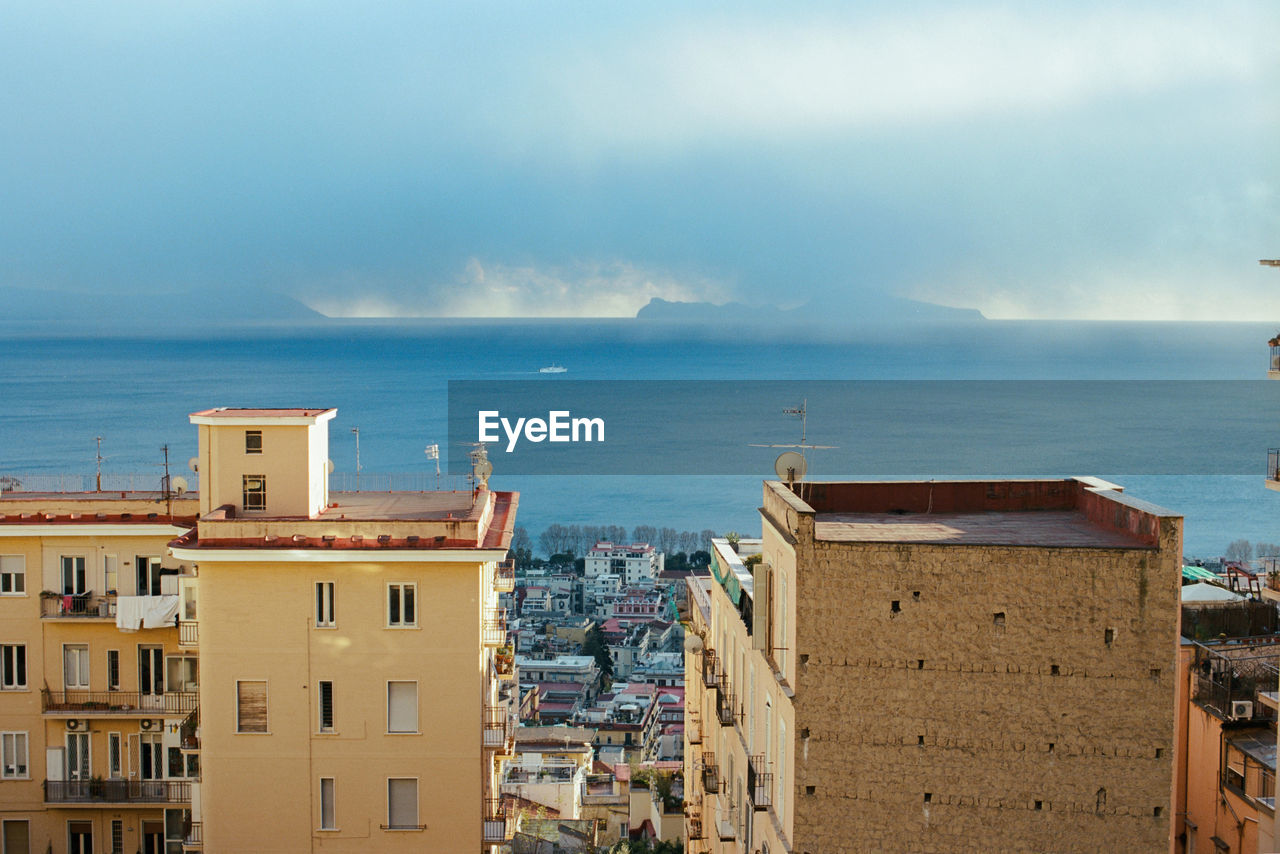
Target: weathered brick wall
{"x": 988, "y": 711}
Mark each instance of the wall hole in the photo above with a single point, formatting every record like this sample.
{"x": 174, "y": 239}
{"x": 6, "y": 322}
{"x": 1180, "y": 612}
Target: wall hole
{"x": 1054, "y": 670}
{"x": 895, "y": 607}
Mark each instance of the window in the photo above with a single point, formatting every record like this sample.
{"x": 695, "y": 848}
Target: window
{"x": 77, "y": 756}
{"x": 402, "y": 707}
{"x": 253, "y": 441}
{"x": 13, "y": 575}
{"x": 151, "y": 754}
{"x": 182, "y": 673}
{"x": 75, "y": 666}
{"x": 113, "y": 670}
{"x": 117, "y": 836}
{"x": 251, "y": 706}
{"x": 13, "y": 666}
{"x": 402, "y": 804}
{"x": 328, "y": 815}
{"x": 114, "y": 769}
{"x": 80, "y": 837}
{"x": 13, "y": 756}
{"x": 326, "y": 706}
{"x": 324, "y": 604}
{"x": 147, "y": 576}
{"x": 73, "y": 576}
{"x": 110, "y": 571}
{"x": 16, "y": 838}
{"x": 151, "y": 670}
{"x": 255, "y": 492}
{"x": 401, "y": 605}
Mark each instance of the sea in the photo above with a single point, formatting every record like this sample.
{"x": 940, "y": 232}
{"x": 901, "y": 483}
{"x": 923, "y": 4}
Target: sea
{"x": 60, "y": 390}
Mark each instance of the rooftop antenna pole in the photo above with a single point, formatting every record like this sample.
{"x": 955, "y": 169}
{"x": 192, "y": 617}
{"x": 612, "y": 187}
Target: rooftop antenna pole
{"x": 98, "y": 481}
{"x": 168, "y": 493}
{"x": 356, "y": 430}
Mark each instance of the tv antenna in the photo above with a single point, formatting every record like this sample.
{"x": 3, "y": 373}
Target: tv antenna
{"x": 98, "y": 457}
{"x": 481, "y": 468}
{"x": 791, "y": 465}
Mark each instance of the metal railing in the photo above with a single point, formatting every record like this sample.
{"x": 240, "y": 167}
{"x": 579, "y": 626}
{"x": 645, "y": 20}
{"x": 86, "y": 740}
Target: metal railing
{"x": 710, "y": 774}
{"x": 1273, "y": 464}
{"x": 496, "y": 821}
{"x": 499, "y": 728}
{"x": 504, "y": 576}
{"x": 146, "y": 482}
{"x": 1273, "y": 363}
{"x": 195, "y": 834}
{"x": 189, "y": 732}
{"x": 759, "y": 783}
{"x": 188, "y": 633}
{"x": 726, "y": 702}
{"x": 132, "y": 703}
{"x": 493, "y": 629}
{"x": 397, "y": 482}
{"x": 695, "y": 823}
{"x": 85, "y": 605}
{"x": 710, "y": 668}
{"x": 117, "y": 792}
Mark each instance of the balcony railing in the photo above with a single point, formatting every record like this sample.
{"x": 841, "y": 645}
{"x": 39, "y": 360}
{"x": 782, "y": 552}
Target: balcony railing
{"x": 84, "y": 606}
{"x": 188, "y": 633}
{"x": 1273, "y": 363}
{"x": 695, "y": 823}
{"x": 1273, "y": 464}
{"x": 759, "y": 783}
{"x": 195, "y": 835}
{"x": 499, "y": 728}
{"x": 710, "y": 668}
{"x": 497, "y": 825}
{"x": 189, "y": 732}
{"x": 117, "y": 792}
{"x": 710, "y": 774}
{"x": 726, "y": 702}
{"x": 131, "y": 703}
{"x": 504, "y": 577}
{"x": 146, "y": 482}
{"x": 493, "y": 630}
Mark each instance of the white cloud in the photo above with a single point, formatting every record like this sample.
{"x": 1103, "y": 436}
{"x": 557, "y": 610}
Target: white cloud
{"x": 617, "y": 289}
{"x": 780, "y": 79}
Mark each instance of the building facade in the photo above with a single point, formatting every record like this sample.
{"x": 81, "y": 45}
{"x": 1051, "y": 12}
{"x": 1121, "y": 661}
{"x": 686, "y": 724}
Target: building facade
{"x": 936, "y": 666}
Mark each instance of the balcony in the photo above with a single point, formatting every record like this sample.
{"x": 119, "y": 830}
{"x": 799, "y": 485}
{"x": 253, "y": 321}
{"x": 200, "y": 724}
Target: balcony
{"x": 493, "y": 629}
{"x": 195, "y": 835}
{"x": 759, "y": 783}
{"x": 188, "y": 633}
{"x": 693, "y": 727}
{"x": 499, "y": 729}
{"x": 726, "y": 703}
{"x": 504, "y": 576}
{"x": 497, "y": 823}
{"x": 99, "y": 792}
{"x": 87, "y": 606}
{"x": 710, "y": 668}
{"x": 726, "y": 822}
{"x": 1273, "y": 363}
{"x": 710, "y": 774}
{"x": 694, "y": 821}
{"x": 189, "y": 732}
{"x": 117, "y": 703}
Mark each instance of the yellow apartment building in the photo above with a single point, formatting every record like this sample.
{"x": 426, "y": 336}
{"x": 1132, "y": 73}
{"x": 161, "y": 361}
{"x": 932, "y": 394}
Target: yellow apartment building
{"x": 97, "y": 677}
{"x": 347, "y": 694}
{"x": 936, "y": 666}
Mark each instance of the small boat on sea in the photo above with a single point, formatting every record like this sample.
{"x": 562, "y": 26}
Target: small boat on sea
{"x": 553, "y": 369}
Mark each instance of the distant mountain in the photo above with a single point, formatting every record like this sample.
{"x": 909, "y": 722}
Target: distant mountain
{"x": 862, "y": 309}
{"x": 126, "y": 310}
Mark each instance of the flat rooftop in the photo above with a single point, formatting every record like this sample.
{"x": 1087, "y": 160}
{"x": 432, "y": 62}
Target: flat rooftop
{"x": 1024, "y": 528}
{"x": 402, "y": 506}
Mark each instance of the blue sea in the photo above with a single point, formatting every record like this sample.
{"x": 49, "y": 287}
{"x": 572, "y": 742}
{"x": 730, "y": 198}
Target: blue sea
{"x": 390, "y": 380}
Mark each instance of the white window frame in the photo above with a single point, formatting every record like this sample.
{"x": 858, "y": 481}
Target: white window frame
{"x": 9, "y": 676}
{"x": 79, "y": 573}
{"x": 13, "y": 574}
{"x": 85, "y": 669}
{"x": 417, "y": 805}
{"x": 326, "y": 602}
{"x": 10, "y": 741}
{"x": 333, "y": 804}
{"x": 320, "y": 691}
{"x": 417, "y": 720}
{"x": 401, "y": 586}
{"x": 115, "y": 760}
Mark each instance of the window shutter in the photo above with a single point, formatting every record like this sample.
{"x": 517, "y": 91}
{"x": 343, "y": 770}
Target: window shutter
{"x": 402, "y": 803}
{"x": 251, "y": 706}
{"x": 761, "y": 609}
{"x": 402, "y": 707}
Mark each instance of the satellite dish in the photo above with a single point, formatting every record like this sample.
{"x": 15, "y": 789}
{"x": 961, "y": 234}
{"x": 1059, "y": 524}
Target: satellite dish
{"x": 692, "y": 643}
{"x": 179, "y": 485}
{"x": 791, "y": 466}
{"x": 194, "y": 464}
{"x": 328, "y": 466}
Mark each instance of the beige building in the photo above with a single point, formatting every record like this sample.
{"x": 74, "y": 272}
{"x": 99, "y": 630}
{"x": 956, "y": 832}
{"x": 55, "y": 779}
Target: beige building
{"x": 98, "y": 673}
{"x": 936, "y": 666}
{"x": 347, "y": 695}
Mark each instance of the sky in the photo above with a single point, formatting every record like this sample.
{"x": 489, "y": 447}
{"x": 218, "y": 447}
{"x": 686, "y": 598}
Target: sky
{"x": 1098, "y": 161}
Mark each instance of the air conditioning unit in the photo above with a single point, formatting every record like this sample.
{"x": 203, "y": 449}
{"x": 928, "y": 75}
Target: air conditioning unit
{"x": 148, "y": 724}
{"x": 77, "y": 725}
{"x": 1241, "y": 710}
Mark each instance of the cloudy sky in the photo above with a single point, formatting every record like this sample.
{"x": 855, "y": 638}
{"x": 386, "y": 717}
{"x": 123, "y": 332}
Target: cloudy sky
{"x": 566, "y": 158}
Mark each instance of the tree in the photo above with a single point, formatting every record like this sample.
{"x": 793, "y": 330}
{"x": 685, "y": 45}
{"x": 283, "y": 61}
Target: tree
{"x": 520, "y": 539}
{"x": 705, "y": 539}
{"x": 700, "y": 558}
{"x": 668, "y": 540}
{"x": 1240, "y": 550}
{"x": 688, "y": 541}
{"x": 595, "y": 646}
{"x": 644, "y": 534}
